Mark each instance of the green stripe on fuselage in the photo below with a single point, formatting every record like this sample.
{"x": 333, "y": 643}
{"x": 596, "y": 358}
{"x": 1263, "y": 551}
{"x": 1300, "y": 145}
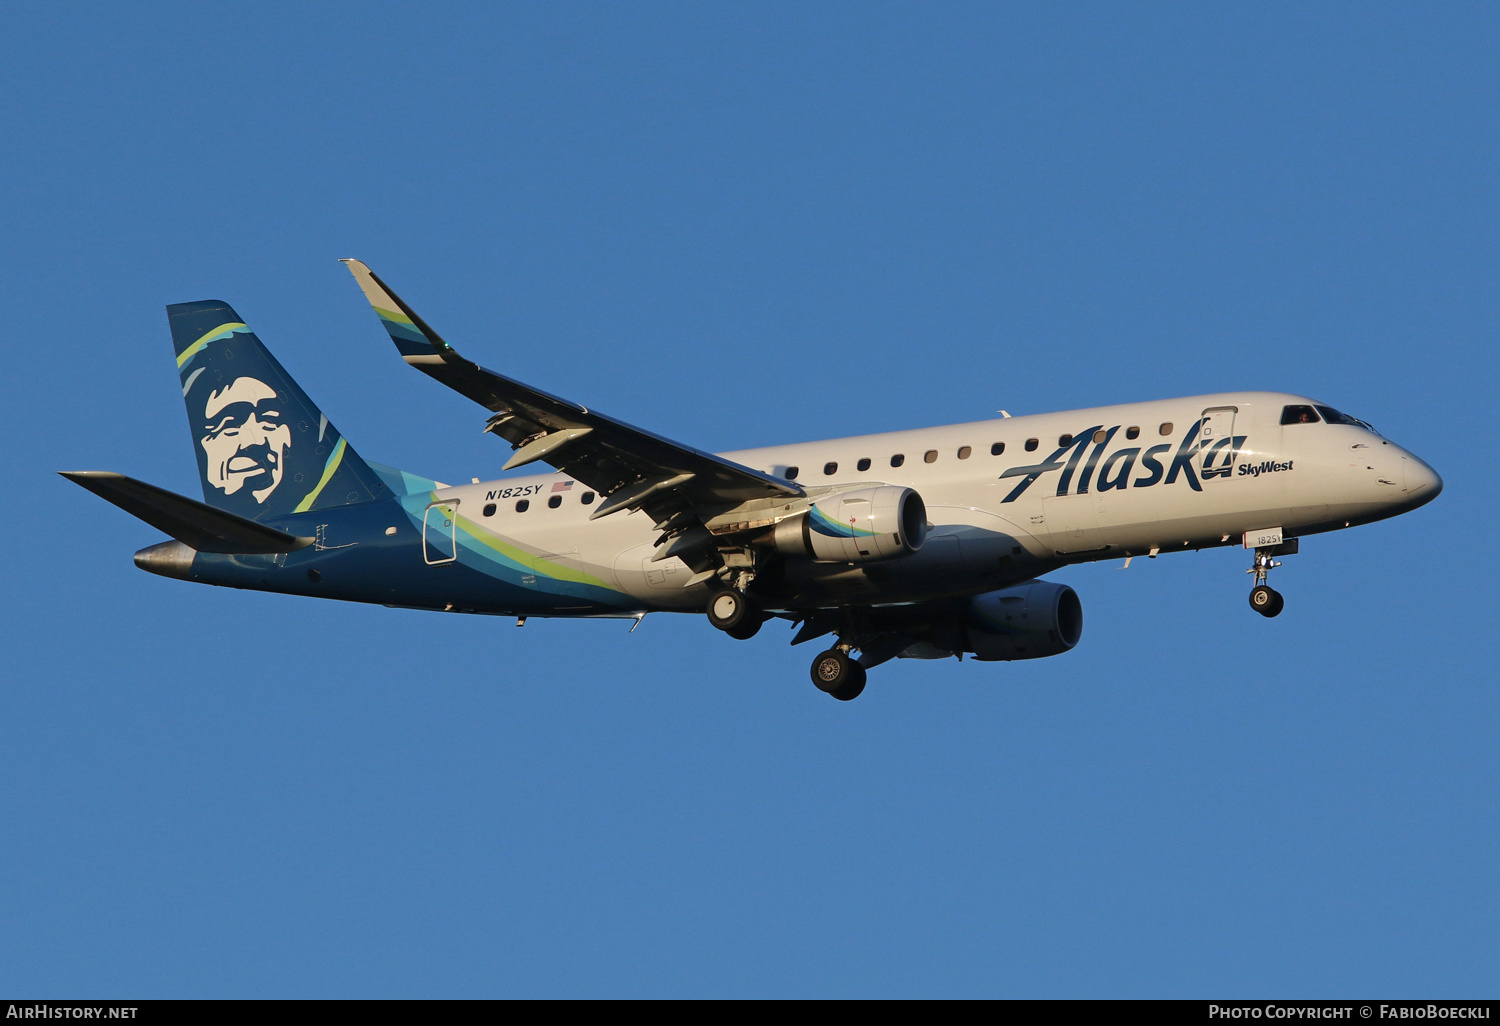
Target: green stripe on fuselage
{"x": 525, "y": 561}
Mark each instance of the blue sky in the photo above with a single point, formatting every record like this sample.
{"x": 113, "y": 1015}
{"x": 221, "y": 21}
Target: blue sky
{"x": 742, "y": 225}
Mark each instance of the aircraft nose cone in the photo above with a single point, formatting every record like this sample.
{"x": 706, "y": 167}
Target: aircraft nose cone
{"x": 1422, "y": 482}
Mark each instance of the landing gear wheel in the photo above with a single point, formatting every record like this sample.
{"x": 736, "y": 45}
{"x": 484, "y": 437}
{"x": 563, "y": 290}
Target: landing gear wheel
{"x": 731, "y": 610}
{"x": 1266, "y": 600}
{"x": 854, "y": 688}
{"x": 745, "y": 629}
{"x": 838, "y": 675}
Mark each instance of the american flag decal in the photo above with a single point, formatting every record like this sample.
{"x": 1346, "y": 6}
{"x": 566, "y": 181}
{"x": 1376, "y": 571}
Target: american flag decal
{"x": 562, "y": 486}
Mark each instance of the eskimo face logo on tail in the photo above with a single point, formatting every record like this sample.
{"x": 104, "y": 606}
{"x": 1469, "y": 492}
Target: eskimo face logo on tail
{"x": 246, "y": 438}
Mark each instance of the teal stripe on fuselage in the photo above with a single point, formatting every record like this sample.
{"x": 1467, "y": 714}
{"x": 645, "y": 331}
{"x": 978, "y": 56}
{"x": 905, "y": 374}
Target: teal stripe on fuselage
{"x": 402, "y": 482}
{"x": 482, "y": 550}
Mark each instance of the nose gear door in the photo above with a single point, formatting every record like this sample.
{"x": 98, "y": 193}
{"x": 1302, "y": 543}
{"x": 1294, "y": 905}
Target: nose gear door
{"x": 1216, "y": 442}
{"x": 439, "y": 533}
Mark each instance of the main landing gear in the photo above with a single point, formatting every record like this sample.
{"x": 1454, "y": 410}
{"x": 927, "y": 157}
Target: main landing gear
{"x": 838, "y": 675}
{"x": 735, "y": 613}
{"x": 740, "y": 616}
{"x": 1264, "y": 599}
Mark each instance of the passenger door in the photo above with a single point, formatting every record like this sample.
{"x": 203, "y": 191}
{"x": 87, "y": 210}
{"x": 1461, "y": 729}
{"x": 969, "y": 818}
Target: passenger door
{"x": 440, "y": 532}
{"x": 1216, "y": 442}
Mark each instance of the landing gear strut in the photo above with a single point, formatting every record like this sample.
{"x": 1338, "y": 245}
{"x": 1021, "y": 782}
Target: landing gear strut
{"x": 735, "y": 613}
{"x": 838, "y": 675}
{"x": 1264, "y": 599}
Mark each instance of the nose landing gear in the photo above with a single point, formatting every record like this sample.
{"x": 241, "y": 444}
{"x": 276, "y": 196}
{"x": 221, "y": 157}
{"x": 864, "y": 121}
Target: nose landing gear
{"x": 1264, "y": 599}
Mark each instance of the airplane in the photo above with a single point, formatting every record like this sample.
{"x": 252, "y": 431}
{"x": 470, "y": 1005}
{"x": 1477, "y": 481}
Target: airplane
{"x": 925, "y": 544}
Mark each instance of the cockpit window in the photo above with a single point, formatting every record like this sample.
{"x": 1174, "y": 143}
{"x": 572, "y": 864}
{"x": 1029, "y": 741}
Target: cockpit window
{"x": 1298, "y": 415}
{"x": 1335, "y": 417}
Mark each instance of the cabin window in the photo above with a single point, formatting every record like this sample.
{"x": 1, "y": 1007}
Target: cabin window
{"x": 898, "y": 459}
{"x": 1064, "y": 440}
{"x": 1133, "y": 431}
{"x": 930, "y": 456}
{"x": 1298, "y": 415}
{"x": 587, "y": 498}
{"x": 864, "y": 464}
{"x": 964, "y": 452}
{"x": 555, "y": 501}
{"x": 791, "y": 473}
{"x": 997, "y": 448}
{"x": 1031, "y": 444}
{"x": 489, "y": 510}
{"x": 1166, "y": 428}
{"x": 523, "y": 505}
{"x": 829, "y": 469}
{"x": 1100, "y": 436}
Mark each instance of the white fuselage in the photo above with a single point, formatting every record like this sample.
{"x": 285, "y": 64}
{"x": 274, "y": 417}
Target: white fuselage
{"x": 1133, "y": 479}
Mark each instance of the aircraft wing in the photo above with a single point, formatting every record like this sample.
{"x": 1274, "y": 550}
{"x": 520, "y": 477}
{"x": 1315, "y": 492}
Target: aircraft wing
{"x": 631, "y": 467}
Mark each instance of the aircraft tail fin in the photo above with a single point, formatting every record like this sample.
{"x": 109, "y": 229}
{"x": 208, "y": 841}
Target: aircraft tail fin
{"x": 264, "y": 448}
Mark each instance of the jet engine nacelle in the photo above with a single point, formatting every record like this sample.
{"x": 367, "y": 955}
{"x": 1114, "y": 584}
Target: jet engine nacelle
{"x": 860, "y": 526}
{"x": 1028, "y": 621}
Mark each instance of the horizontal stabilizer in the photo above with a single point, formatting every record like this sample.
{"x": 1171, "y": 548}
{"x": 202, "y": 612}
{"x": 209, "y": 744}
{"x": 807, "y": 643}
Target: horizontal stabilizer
{"x": 193, "y": 523}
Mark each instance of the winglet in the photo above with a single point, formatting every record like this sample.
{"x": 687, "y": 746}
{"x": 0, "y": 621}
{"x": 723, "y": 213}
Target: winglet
{"x": 414, "y": 339}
